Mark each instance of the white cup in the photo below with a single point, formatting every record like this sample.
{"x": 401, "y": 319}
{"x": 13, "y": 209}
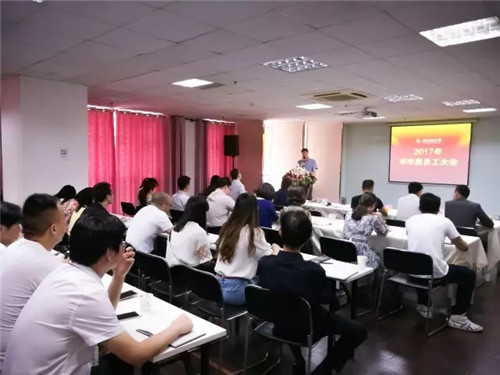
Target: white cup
{"x": 362, "y": 262}
{"x": 146, "y": 301}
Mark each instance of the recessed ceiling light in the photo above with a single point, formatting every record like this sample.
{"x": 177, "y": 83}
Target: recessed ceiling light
{"x": 38, "y": 1}
{"x": 472, "y": 31}
{"x": 479, "y": 110}
{"x": 458, "y": 103}
{"x": 192, "y": 83}
{"x": 313, "y": 106}
{"x": 295, "y": 64}
{"x": 374, "y": 118}
{"x": 402, "y": 98}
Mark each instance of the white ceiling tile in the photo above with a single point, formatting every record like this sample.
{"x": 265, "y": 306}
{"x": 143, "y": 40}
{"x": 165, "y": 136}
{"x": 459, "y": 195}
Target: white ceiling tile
{"x": 7, "y": 26}
{"x": 304, "y": 44}
{"x": 367, "y": 30}
{"x": 167, "y": 26}
{"x": 423, "y": 59}
{"x": 269, "y": 27}
{"x": 24, "y": 56}
{"x": 257, "y": 54}
{"x": 132, "y": 41}
{"x": 155, "y": 4}
{"x": 342, "y": 56}
{"x": 17, "y": 10}
{"x": 399, "y": 46}
{"x": 220, "y": 41}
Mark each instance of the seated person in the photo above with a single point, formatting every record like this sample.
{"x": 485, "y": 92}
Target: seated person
{"x": 220, "y": 204}
{"x": 84, "y": 199}
{"x": 102, "y": 198}
{"x": 463, "y": 212}
{"x": 281, "y": 198}
{"x": 240, "y": 245}
{"x": 10, "y": 224}
{"x": 180, "y": 198}
{"x": 149, "y": 222}
{"x": 237, "y": 186}
{"x": 71, "y": 312}
{"x": 67, "y": 198}
{"x": 213, "y": 185}
{"x": 359, "y": 225}
{"x": 367, "y": 187}
{"x": 296, "y": 198}
{"x": 408, "y": 205}
{"x": 267, "y": 212}
{"x": 426, "y": 234}
{"x": 288, "y": 272}
{"x": 188, "y": 242}
{"x": 146, "y": 191}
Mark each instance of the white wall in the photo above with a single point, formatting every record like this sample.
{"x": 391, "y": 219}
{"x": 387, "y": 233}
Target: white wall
{"x": 49, "y": 116}
{"x": 365, "y": 154}
{"x": 189, "y": 151}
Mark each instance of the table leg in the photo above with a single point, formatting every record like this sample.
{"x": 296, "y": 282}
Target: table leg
{"x": 354, "y": 300}
{"x": 204, "y": 361}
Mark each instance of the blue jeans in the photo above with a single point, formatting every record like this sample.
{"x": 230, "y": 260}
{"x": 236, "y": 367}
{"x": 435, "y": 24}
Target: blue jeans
{"x": 233, "y": 290}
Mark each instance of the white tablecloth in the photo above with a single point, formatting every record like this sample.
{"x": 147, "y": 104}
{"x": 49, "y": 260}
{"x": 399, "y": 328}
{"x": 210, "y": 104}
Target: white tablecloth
{"x": 475, "y": 257}
{"x": 494, "y": 245}
{"x": 337, "y": 209}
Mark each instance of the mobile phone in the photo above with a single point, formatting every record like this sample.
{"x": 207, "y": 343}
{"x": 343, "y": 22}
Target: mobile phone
{"x": 129, "y": 315}
{"x": 128, "y": 294}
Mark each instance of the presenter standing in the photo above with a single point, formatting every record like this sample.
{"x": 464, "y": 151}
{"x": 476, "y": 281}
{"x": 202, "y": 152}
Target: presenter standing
{"x": 309, "y": 165}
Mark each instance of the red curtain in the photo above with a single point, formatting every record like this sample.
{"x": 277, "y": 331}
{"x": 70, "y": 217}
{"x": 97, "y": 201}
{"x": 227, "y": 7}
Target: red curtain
{"x": 217, "y": 163}
{"x": 101, "y": 148}
{"x": 140, "y": 152}
{"x": 177, "y": 124}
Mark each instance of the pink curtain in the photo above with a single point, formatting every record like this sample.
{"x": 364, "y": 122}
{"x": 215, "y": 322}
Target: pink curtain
{"x": 177, "y": 150}
{"x": 200, "y": 157}
{"x": 101, "y": 149}
{"x": 217, "y": 163}
{"x": 140, "y": 153}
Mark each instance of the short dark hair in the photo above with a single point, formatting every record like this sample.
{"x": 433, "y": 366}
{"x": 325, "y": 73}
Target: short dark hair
{"x": 92, "y": 235}
{"x": 367, "y": 184}
{"x": 66, "y": 193}
{"x": 196, "y": 210}
{"x": 84, "y": 198}
{"x": 39, "y": 212}
{"x": 266, "y": 191}
{"x": 304, "y": 149}
{"x": 183, "y": 181}
{"x": 286, "y": 182}
{"x": 296, "y": 228}
{"x": 296, "y": 196}
{"x": 224, "y": 181}
{"x": 214, "y": 179}
{"x": 100, "y": 191}
{"x": 463, "y": 190}
{"x": 429, "y": 203}
{"x": 235, "y": 173}
{"x": 10, "y": 214}
{"x": 414, "y": 187}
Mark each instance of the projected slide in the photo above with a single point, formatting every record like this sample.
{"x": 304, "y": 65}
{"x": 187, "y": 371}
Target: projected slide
{"x": 437, "y": 154}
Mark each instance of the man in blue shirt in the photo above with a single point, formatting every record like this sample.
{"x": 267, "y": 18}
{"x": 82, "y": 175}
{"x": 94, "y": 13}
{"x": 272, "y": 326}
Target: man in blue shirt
{"x": 309, "y": 165}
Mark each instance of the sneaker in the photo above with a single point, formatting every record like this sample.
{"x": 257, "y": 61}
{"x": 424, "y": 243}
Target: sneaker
{"x": 463, "y": 323}
{"x": 424, "y": 311}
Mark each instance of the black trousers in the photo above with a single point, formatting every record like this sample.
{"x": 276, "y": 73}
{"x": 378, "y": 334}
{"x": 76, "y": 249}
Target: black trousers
{"x": 352, "y": 333}
{"x": 465, "y": 278}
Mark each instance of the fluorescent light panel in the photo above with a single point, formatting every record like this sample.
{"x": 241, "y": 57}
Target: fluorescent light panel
{"x": 467, "y": 32}
{"x": 313, "y": 106}
{"x": 194, "y": 82}
{"x": 457, "y": 103}
{"x": 295, "y": 64}
{"x": 402, "y": 98}
{"x": 479, "y": 110}
{"x": 374, "y": 118}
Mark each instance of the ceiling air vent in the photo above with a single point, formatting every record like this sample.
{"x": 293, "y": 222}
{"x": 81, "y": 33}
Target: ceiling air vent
{"x": 340, "y": 96}
{"x": 211, "y": 86}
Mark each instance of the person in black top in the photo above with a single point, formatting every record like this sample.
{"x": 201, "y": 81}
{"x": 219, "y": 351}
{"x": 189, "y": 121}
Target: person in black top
{"x": 288, "y": 272}
{"x": 213, "y": 185}
{"x": 103, "y": 197}
{"x": 367, "y": 187}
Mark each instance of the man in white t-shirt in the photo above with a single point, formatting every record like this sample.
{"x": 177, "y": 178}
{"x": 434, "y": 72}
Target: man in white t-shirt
{"x": 237, "y": 186}
{"x": 220, "y": 204}
{"x": 10, "y": 223}
{"x": 71, "y": 312}
{"x": 426, "y": 234}
{"x": 180, "y": 198}
{"x": 149, "y": 222}
{"x": 408, "y": 205}
{"x": 28, "y": 261}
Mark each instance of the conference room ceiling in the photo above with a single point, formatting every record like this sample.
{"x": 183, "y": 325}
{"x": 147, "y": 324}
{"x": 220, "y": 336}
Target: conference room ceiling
{"x": 129, "y": 52}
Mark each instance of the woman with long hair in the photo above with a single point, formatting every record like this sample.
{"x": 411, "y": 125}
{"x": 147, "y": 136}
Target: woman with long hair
{"x": 188, "y": 242}
{"x": 84, "y": 199}
{"x": 359, "y": 225}
{"x": 67, "y": 199}
{"x": 267, "y": 213}
{"x": 240, "y": 245}
{"x": 146, "y": 191}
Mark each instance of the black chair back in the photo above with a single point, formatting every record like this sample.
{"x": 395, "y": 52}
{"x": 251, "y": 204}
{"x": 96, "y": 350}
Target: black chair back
{"x": 203, "y": 284}
{"x": 315, "y": 213}
{"x": 272, "y": 236}
{"x": 396, "y": 223}
{"x": 278, "y": 207}
{"x": 341, "y": 250}
{"x": 160, "y": 246}
{"x": 176, "y": 215}
{"x": 152, "y": 266}
{"x": 468, "y": 231}
{"x": 289, "y": 311}
{"x": 408, "y": 262}
{"x": 128, "y": 208}
{"x": 214, "y": 230}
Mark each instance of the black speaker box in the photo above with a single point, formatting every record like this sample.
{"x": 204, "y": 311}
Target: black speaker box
{"x": 231, "y": 145}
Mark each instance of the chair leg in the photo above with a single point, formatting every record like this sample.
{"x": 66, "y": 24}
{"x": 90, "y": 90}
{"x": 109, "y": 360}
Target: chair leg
{"x": 248, "y": 326}
{"x": 309, "y": 357}
{"x": 440, "y": 327}
{"x": 381, "y": 294}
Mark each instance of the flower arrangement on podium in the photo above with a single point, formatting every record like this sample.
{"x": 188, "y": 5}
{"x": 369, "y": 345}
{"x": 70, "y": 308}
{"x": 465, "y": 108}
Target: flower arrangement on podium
{"x": 300, "y": 176}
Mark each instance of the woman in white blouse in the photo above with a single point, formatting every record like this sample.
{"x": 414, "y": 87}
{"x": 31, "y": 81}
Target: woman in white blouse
{"x": 240, "y": 245}
{"x": 188, "y": 242}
